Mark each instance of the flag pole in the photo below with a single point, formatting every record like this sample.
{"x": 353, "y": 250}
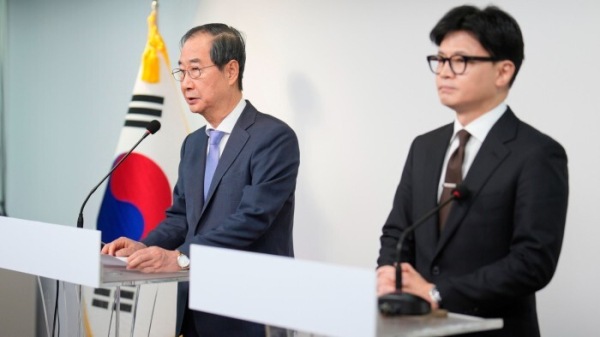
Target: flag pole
{"x": 155, "y": 9}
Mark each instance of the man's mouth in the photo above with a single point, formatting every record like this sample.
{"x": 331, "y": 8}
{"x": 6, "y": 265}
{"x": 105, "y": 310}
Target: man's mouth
{"x": 445, "y": 88}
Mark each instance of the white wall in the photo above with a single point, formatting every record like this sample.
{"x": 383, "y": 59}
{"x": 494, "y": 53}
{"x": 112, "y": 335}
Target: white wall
{"x": 349, "y": 76}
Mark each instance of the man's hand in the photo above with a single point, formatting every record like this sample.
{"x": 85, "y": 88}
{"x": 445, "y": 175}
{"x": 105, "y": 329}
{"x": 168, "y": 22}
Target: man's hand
{"x": 122, "y": 247}
{"x": 414, "y": 283}
{"x": 154, "y": 260}
{"x": 386, "y": 280}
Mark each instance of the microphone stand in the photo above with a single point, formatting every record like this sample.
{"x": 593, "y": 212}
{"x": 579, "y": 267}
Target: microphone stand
{"x": 398, "y": 302}
{"x": 151, "y": 129}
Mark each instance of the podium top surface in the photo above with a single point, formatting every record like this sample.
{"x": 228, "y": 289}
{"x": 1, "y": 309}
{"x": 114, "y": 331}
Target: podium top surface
{"x": 417, "y": 326}
{"x": 119, "y": 276}
{"x": 433, "y": 325}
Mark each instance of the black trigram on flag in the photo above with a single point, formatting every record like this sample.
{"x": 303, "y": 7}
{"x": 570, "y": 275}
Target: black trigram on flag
{"x": 103, "y": 298}
{"x": 143, "y": 109}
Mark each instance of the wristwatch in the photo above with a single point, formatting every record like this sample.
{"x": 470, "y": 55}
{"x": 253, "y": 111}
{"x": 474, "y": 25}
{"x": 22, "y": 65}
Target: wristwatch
{"x": 435, "y": 296}
{"x": 183, "y": 261}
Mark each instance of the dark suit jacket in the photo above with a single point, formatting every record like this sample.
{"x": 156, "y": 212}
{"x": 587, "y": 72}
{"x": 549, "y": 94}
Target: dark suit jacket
{"x": 501, "y": 244}
{"x": 250, "y": 204}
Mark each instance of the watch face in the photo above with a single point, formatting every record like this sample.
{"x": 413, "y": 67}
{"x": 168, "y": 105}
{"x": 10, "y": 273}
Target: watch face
{"x": 435, "y": 295}
{"x": 183, "y": 261}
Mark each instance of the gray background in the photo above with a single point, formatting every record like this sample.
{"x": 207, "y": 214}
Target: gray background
{"x": 349, "y": 76}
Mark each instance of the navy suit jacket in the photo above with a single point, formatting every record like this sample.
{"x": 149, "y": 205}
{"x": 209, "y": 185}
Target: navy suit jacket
{"x": 501, "y": 244}
{"x": 250, "y": 204}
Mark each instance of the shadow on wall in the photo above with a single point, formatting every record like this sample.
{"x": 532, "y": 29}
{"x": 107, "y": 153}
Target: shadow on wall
{"x": 310, "y": 227}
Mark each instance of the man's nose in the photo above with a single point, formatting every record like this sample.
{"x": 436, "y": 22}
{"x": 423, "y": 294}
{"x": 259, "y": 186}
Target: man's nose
{"x": 186, "y": 82}
{"x": 446, "y": 70}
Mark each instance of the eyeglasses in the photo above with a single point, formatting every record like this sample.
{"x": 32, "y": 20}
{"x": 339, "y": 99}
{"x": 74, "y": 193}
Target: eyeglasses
{"x": 458, "y": 63}
{"x": 195, "y": 72}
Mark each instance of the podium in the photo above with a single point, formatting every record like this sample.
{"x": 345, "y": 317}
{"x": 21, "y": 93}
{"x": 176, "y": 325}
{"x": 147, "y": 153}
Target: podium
{"x": 112, "y": 276}
{"x": 307, "y": 297}
{"x": 279, "y": 292}
{"x": 68, "y": 254}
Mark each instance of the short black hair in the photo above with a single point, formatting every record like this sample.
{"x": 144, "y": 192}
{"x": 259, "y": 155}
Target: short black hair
{"x": 228, "y": 44}
{"x": 496, "y": 30}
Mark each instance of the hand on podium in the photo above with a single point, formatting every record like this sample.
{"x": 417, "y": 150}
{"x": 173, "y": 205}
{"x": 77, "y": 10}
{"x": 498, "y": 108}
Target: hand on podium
{"x": 145, "y": 259}
{"x": 154, "y": 260}
{"x": 412, "y": 282}
{"x": 386, "y": 280}
{"x": 122, "y": 247}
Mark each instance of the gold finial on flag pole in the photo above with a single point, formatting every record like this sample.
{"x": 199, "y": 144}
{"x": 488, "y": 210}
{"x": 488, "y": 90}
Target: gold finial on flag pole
{"x": 154, "y": 47}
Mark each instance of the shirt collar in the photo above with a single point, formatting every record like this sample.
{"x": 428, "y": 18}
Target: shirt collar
{"x": 480, "y": 127}
{"x": 229, "y": 122}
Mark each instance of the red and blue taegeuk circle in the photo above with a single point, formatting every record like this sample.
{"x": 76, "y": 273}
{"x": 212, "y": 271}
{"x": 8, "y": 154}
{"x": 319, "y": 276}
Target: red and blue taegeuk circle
{"x": 137, "y": 196}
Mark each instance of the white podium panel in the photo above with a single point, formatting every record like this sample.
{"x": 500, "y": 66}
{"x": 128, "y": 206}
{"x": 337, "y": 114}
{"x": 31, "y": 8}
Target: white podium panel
{"x": 295, "y": 294}
{"x": 59, "y": 252}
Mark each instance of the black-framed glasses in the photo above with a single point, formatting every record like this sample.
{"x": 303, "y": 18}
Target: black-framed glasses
{"x": 458, "y": 63}
{"x": 194, "y": 72}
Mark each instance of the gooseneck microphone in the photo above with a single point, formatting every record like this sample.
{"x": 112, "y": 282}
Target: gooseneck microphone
{"x": 399, "y": 303}
{"x": 151, "y": 129}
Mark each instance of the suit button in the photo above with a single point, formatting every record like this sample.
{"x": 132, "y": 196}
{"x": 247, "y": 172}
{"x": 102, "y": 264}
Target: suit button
{"x": 435, "y": 270}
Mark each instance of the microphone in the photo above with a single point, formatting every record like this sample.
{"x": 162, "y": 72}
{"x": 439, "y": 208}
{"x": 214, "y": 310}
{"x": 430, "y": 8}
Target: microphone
{"x": 151, "y": 129}
{"x": 399, "y": 303}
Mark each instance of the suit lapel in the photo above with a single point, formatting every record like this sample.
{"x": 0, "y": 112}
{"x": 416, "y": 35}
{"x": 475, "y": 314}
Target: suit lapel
{"x": 433, "y": 167}
{"x": 491, "y": 154}
{"x": 238, "y": 138}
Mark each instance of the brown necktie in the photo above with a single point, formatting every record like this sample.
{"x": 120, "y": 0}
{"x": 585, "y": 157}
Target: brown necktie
{"x": 453, "y": 175}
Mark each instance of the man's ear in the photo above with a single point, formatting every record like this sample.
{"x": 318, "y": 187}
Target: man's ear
{"x": 505, "y": 71}
{"x": 232, "y": 71}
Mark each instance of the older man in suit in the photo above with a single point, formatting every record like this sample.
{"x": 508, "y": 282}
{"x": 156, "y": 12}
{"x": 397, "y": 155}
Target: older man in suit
{"x": 489, "y": 254}
{"x": 237, "y": 177}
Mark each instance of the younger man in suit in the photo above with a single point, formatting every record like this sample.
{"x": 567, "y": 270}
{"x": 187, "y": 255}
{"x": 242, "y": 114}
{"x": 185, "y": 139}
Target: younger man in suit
{"x": 237, "y": 177}
{"x": 489, "y": 254}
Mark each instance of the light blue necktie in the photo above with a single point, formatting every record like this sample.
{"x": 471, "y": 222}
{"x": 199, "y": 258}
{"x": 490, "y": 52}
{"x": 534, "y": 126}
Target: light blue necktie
{"x": 212, "y": 159}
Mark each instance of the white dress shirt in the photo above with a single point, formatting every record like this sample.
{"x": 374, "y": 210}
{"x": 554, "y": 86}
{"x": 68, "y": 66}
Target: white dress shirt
{"x": 479, "y": 129}
{"x": 227, "y": 125}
